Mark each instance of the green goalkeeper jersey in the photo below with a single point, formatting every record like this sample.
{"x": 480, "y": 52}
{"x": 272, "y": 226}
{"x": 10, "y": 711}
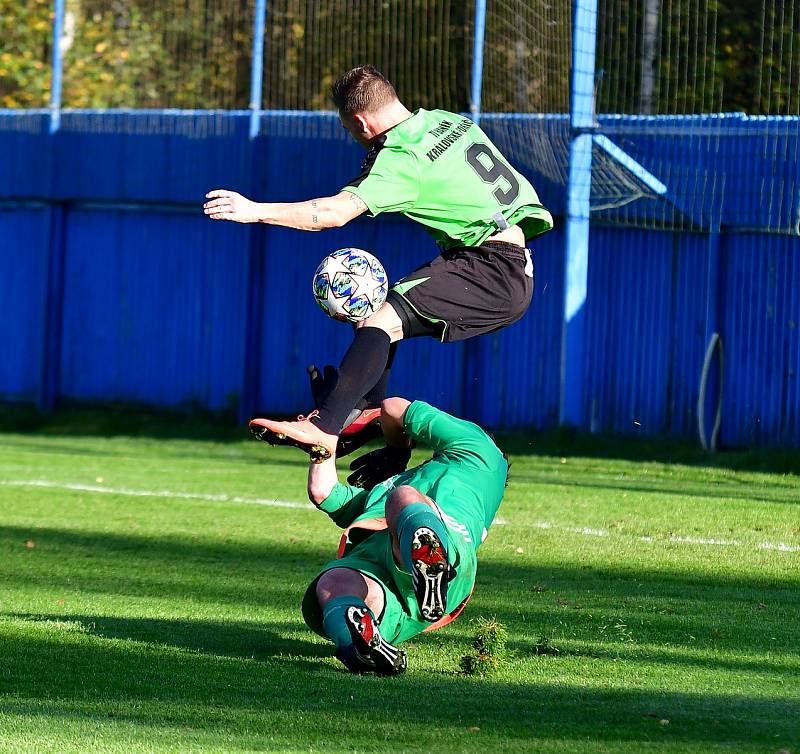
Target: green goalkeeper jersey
{"x": 466, "y": 477}
{"x": 441, "y": 170}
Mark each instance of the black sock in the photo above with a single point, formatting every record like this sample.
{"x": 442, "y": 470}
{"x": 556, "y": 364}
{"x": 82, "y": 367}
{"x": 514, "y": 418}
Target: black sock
{"x": 374, "y": 397}
{"x": 360, "y": 370}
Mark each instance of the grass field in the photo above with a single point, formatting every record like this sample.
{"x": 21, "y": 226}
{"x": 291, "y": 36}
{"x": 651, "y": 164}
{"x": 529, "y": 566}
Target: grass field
{"x": 149, "y": 591}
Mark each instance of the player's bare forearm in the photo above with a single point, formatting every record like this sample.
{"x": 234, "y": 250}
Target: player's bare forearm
{"x": 322, "y": 478}
{"x": 392, "y": 412}
{"x": 313, "y": 214}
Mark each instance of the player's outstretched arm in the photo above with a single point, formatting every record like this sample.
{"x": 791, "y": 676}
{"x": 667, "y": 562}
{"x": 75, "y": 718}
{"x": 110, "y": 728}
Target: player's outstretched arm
{"x": 459, "y": 438}
{"x": 314, "y": 214}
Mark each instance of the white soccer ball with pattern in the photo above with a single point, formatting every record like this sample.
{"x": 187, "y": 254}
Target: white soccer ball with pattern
{"x": 350, "y": 285}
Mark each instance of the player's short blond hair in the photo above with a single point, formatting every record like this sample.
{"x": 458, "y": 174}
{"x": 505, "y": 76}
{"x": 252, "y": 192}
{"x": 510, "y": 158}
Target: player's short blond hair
{"x": 362, "y": 89}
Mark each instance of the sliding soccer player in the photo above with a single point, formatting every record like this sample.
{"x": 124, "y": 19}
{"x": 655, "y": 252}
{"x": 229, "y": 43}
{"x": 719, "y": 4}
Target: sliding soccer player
{"x": 408, "y": 556}
{"x": 438, "y": 169}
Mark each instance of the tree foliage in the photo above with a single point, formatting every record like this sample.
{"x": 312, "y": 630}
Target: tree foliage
{"x": 25, "y": 39}
{"x": 709, "y": 55}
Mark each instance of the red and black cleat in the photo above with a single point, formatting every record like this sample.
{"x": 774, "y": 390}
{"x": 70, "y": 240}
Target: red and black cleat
{"x": 430, "y": 573}
{"x": 370, "y": 652}
{"x": 362, "y": 426}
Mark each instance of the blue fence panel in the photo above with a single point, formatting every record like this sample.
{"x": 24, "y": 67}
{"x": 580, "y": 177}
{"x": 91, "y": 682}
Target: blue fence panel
{"x": 154, "y": 309}
{"x": 151, "y": 156}
{"x": 513, "y": 377}
{"x": 25, "y": 155}
{"x": 304, "y": 155}
{"x": 732, "y": 170}
{"x": 688, "y": 316}
{"x": 24, "y": 253}
{"x": 160, "y": 304}
{"x": 761, "y": 337}
{"x": 629, "y": 331}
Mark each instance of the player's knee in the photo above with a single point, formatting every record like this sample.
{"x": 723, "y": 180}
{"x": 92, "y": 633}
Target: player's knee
{"x": 386, "y": 319}
{"x": 389, "y": 407}
{"x": 376, "y": 321}
{"x": 330, "y": 585}
{"x": 393, "y": 408}
{"x": 347, "y": 582}
{"x": 401, "y": 497}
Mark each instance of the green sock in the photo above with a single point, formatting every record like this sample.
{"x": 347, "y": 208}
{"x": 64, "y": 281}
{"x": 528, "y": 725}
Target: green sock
{"x": 410, "y": 519}
{"x": 333, "y": 619}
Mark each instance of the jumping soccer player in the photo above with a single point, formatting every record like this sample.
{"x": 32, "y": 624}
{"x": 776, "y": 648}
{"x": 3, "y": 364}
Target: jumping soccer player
{"x": 407, "y": 560}
{"x": 438, "y": 169}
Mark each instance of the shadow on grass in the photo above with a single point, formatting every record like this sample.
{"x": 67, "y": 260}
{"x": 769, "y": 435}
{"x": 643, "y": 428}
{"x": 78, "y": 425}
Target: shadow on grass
{"x": 263, "y": 641}
{"x": 230, "y": 638}
{"x": 763, "y": 492}
{"x": 255, "y": 681}
{"x": 696, "y": 610}
{"x": 569, "y": 443}
{"x": 295, "y": 700}
{"x": 129, "y": 420}
{"x": 110, "y": 420}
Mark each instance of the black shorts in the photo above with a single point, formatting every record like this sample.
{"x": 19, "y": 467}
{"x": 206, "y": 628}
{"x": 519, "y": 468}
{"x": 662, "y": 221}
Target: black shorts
{"x": 465, "y": 291}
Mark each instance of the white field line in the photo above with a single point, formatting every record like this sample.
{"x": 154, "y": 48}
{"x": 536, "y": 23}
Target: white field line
{"x": 708, "y": 541}
{"x": 705, "y": 541}
{"x": 99, "y": 489}
{"x": 579, "y": 530}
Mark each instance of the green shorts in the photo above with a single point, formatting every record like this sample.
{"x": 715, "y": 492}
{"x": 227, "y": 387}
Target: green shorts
{"x": 401, "y": 619}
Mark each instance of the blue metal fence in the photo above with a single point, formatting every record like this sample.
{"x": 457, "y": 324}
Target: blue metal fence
{"x": 114, "y": 286}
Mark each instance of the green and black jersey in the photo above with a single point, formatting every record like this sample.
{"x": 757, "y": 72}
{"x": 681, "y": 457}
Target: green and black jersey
{"x": 441, "y": 170}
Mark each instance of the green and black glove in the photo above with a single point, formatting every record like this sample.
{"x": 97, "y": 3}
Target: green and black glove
{"x": 378, "y": 465}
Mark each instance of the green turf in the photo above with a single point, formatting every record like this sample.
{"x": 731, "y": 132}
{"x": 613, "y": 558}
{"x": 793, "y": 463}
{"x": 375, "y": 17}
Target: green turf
{"x": 138, "y": 623}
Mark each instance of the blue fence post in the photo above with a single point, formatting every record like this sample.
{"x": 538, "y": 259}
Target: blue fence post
{"x": 54, "y": 311}
{"x": 257, "y": 70}
{"x": 58, "y": 67}
{"x": 472, "y": 365}
{"x": 56, "y": 221}
{"x": 576, "y": 267}
{"x": 477, "y": 61}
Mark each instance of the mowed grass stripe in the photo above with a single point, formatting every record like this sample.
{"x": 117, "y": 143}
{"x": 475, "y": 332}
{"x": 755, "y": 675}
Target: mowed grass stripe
{"x": 500, "y": 521}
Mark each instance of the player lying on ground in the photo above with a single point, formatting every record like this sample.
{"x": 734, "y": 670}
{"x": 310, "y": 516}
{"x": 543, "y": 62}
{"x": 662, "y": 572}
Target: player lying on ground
{"x": 438, "y": 169}
{"x": 407, "y": 560}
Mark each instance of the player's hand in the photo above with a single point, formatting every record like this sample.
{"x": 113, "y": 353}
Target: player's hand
{"x": 228, "y": 205}
{"x": 378, "y": 465}
{"x": 321, "y": 382}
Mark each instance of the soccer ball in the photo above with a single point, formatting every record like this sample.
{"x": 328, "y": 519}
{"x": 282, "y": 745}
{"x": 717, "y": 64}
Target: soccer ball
{"x": 350, "y": 285}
